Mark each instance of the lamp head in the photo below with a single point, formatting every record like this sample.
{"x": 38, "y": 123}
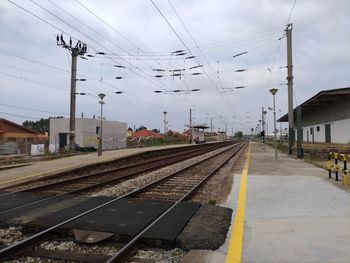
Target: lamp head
{"x": 101, "y": 95}
{"x": 273, "y": 91}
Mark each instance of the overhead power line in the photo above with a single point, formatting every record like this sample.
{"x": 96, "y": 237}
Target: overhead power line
{"x": 34, "y": 81}
{"x": 151, "y": 80}
{"x": 31, "y": 109}
{"x": 184, "y": 44}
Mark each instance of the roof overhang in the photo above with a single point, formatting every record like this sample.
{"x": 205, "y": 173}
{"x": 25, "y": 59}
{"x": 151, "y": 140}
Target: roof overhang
{"x": 320, "y": 100}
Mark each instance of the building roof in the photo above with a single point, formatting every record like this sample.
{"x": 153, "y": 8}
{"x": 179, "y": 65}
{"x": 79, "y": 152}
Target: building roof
{"x": 320, "y": 99}
{"x": 198, "y": 126}
{"x": 14, "y": 127}
{"x": 147, "y": 133}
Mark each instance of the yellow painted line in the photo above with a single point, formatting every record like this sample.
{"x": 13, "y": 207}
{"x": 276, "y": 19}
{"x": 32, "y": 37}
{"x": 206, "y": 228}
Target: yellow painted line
{"x": 234, "y": 253}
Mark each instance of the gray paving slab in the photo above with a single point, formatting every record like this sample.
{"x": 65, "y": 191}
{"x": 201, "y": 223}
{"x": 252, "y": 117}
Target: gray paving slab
{"x": 293, "y": 214}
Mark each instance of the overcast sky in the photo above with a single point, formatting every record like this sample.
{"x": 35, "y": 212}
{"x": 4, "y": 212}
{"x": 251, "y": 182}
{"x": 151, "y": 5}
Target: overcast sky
{"x": 35, "y": 73}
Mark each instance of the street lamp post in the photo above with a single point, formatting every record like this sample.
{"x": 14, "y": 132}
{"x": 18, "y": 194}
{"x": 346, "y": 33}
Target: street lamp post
{"x": 273, "y": 92}
{"x": 164, "y": 112}
{"x": 99, "y": 153}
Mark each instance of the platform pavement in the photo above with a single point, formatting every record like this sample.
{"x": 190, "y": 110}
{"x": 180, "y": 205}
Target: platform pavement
{"x": 45, "y": 168}
{"x": 291, "y": 213}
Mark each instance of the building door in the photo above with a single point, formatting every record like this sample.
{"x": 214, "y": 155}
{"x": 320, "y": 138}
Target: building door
{"x": 328, "y": 133}
{"x": 62, "y": 140}
{"x": 307, "y": 136}
{"x": 312, "y": 134}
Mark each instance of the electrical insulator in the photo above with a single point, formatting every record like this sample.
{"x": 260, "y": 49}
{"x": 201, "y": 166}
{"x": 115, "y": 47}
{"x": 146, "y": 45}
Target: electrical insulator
{"x": 57, "y": 39}
{"x": 62, "y": 38}
{"x": 79, "y": 45}
{"x": 70, "y": 42}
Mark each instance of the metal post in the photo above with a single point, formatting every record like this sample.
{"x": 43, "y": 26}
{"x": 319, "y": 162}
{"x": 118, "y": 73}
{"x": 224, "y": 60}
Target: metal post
{"x": 191, "y": 130}
{"x": 336, "y": 166}
{"x": 164, "y": 112}
{"x": 75, "y": 54}
{"x": 290, "y": 87}
{"x": 274, "y": 127}
{"x": 99, "y": 153}
{"x": 329, "y": 165}
{"x": 273, "y": 92}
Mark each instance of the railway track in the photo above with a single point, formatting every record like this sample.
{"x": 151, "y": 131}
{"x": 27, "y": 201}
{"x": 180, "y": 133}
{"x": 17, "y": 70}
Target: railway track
{"x": 70, "y": 183}
{"x": 199, "y": 172}
{"x": 93, "y": 181}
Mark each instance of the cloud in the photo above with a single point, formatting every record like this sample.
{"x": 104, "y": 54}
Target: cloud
{"x": 221, "y": 29}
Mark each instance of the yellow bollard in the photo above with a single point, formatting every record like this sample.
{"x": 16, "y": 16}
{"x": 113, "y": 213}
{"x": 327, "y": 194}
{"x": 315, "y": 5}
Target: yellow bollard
{"x": 345, "y": 172}
{"x": 336, "y": 166}
{"x": 329, "y": 165}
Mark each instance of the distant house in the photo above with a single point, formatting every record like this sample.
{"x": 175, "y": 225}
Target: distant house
{"x": 87, "y": 132}
{"x": 19, "y": 136}
{"x": 325, "y": 117}
{"x": 197, "y": 132}
{"x": 147, "y": 134}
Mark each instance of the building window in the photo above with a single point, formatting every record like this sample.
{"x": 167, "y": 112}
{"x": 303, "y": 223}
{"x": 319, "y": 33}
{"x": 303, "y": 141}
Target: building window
{"x": 311, "y": 130}
{"x": 318, "y": 128}
{"x": 97, "y": 130}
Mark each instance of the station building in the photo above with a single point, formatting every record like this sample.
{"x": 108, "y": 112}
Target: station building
{"x": 197, "y": 132}
{"x": 325, "y": 118}
{"x": 87, "y": 132}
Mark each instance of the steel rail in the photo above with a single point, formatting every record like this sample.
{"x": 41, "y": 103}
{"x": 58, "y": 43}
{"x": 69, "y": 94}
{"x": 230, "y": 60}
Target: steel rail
{"x": 170, "y": 151}
{"x": 120, "y": 255}
{"x": 179, "y": 152}
{"x": 23, "y": 245}
{"x": 99, "y": 184}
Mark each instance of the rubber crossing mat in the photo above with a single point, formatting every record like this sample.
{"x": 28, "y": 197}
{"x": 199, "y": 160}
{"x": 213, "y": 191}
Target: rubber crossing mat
{"x": 12, "y": 200}
{"x": 170, "y": 226}
{"x": 34, "y": 210}
{"x": 126, "y": 217}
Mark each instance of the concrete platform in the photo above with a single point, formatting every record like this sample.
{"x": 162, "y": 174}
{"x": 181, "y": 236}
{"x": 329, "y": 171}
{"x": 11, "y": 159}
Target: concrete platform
{"x": 284, "y": 211}
{"x": 45, "y": 168}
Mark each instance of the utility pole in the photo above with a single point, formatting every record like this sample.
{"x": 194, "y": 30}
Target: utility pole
{"x": 79, "y": 50}
{"x": 290, "y": 87}
{"x": 211, "y": 126}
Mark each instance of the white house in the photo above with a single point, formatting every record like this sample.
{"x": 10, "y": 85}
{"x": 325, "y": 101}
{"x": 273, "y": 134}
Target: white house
{"x": 325, "y": 117}
{"x": 87, "y": 132}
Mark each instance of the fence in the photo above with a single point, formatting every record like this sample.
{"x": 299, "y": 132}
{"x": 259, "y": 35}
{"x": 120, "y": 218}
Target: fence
{"x": 20, "y": 145}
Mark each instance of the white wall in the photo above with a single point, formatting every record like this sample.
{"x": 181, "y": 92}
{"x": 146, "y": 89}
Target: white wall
{"x": 340, "y": 132}
{"x": 114, "y": 133}
{"x": 198, "y": 134}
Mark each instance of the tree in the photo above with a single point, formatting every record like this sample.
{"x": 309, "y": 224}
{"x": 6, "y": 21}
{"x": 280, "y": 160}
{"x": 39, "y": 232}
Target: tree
{"x": 130, "y": 129}
{"x": 238, "y": 135}
{"x": 141, "y": 128}
{"x": 156, "y": 130}
{"x": 42, "y": 125}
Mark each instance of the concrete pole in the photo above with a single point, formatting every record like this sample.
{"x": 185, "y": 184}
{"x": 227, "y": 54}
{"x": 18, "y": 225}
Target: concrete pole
{"x": 75, "y": 53}
{"x": 290, "y": 87}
